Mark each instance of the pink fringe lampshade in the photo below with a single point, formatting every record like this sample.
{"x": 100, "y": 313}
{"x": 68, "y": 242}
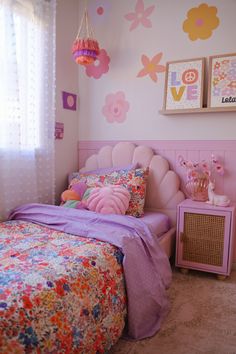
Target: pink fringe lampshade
{"x": 85, "y": 49}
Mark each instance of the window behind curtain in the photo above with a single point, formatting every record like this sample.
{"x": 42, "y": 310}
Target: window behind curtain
{"x": 27, "y": 107}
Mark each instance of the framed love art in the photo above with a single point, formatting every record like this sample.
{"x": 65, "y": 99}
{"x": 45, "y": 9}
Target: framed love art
{"x": 184, "y": 84}
{"x": 222, "y": 81}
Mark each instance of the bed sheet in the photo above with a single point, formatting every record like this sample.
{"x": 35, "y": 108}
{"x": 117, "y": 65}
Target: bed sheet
{"x": 157, "y": 222}
{"x": 58, "y": 292}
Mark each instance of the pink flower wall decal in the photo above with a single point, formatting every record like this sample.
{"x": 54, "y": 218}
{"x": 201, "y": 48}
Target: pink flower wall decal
{"x": 151, "y": 67}
{"x": 140, "y": 15}
{"x": 100, "y": 66}
{"x": 116, "y": 107}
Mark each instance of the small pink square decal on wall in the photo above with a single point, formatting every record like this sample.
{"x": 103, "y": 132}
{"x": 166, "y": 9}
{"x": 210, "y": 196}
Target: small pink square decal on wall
{"x": 69, "y": 100}
{"x": 59, "y": 130}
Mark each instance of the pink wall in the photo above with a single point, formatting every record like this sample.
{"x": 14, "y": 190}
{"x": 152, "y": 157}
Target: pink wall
{"x": 190, "y": 149}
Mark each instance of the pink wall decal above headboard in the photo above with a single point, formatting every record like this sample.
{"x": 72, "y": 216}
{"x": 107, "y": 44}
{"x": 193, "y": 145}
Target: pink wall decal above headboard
{"x": 151, "y": 66}
{"x": 99, "y": 10}
{"x": 100, "y": 66}
{"x": 115, "y": 107}
{"x": 140, "y": 15}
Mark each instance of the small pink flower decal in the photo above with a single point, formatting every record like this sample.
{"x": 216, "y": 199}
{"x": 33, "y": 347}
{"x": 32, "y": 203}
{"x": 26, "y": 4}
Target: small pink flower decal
{"x": 100, "y": 66}
{"x": 151, "y": 67}
{"x": 140, "y": 16}
{"x": 99, "y": 10}
{"x": 116, "y": 107}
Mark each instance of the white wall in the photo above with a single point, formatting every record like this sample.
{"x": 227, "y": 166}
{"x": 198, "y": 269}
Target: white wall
{"x": 66, "y": 80}
{"x": 145, "y": 96}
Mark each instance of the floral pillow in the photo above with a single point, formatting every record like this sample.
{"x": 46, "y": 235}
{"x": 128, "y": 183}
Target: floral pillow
{"x": 102, "y": 171}
{"x": 134, "y": 180}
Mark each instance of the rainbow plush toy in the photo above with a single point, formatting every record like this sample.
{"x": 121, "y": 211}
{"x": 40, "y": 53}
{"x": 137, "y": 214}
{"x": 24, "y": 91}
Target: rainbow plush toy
{"x": 72, "y": 198}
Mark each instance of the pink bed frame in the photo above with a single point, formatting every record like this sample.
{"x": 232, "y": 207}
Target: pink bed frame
{"x": 163, "y": 186}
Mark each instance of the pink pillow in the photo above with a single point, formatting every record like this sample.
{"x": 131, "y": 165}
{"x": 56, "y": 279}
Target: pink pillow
{"x": 110, "y": 199}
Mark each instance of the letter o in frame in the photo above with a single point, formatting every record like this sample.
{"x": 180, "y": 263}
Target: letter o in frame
{"x": 190, "y": 76}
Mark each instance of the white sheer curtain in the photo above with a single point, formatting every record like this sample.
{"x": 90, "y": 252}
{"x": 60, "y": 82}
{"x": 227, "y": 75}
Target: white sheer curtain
{"x": 27, "y": 108}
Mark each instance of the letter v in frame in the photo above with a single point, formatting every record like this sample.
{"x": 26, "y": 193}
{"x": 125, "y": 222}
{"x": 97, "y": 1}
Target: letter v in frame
{"x": 182, "y": 78}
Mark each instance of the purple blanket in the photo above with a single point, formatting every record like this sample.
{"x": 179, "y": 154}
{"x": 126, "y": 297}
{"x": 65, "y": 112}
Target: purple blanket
{"x": 146, "y": 267}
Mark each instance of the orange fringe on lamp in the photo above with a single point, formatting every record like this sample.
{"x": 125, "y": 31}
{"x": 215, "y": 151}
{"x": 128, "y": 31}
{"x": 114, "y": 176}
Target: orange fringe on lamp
{"x": 85, "y": 49}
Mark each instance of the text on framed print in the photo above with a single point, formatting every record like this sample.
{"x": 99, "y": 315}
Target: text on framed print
{"x": 222, "y": 81}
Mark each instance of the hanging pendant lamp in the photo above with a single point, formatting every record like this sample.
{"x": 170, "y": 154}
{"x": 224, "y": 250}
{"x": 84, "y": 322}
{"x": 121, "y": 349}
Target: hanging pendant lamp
{"x": 85, "y": 48}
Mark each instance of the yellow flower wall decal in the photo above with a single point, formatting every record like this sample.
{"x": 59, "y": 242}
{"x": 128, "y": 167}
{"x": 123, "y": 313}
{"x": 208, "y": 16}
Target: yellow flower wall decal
{"x": 151, "y": 67}
{"x": 201, "y": 21}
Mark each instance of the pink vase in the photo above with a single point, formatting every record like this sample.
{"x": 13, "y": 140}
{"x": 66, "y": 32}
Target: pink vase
{"x": 197, "y": 189}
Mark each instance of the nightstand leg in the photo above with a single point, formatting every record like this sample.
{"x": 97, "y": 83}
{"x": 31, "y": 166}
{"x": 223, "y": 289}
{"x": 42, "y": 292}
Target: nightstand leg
{"x": 184, "y": 270}
{"x": 221, "y": 277}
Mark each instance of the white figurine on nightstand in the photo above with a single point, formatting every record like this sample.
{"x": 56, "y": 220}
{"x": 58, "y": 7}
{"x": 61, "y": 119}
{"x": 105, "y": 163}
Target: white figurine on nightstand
{"x": 216, "y": 199}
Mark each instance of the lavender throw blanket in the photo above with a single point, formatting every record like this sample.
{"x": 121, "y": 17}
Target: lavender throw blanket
{"x": 146, "y": 267}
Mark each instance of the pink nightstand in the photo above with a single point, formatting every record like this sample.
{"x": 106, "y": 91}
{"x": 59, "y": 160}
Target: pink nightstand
{"x": 205, "y": 236}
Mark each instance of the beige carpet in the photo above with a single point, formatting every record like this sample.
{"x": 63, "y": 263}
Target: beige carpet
{"x": 202, "y": 318}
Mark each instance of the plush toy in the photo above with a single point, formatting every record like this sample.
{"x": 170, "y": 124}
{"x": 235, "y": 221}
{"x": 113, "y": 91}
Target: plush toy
{"x": 112, "y": 199}
{"x": 72, "y": 198}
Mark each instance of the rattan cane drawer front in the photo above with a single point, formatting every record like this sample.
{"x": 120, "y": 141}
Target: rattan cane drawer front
{"x": 203, "y": 238}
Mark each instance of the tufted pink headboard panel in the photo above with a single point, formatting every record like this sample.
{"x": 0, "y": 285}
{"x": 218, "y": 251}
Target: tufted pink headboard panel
{"x": 163, "y": 186}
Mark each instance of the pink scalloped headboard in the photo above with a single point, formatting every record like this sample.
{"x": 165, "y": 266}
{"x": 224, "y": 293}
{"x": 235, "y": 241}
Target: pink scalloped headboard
{"x": 163, "y": 186}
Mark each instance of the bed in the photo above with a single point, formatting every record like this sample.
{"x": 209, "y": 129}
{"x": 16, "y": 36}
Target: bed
{"x": 75, "y": 280}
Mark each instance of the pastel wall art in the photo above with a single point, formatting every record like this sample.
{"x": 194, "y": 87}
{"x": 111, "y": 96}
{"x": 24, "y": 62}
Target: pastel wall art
{"x": 59, "y": 130}
{"x": 200, "y": 22}
{"x": 151, "y": 66}
{"x": 140, "y": 15}
{"x": 69, "y": 100}
{"x": 100, "y": 66}
{"x": 184, "y": 84}
{"x": 222, "y": 81}
{"x": 116, "y": 107}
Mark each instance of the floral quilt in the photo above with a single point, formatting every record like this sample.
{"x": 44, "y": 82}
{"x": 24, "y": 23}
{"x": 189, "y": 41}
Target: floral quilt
{"x": 59, "y": 293}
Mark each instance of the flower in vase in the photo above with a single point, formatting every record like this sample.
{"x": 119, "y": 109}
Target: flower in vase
{"x": 201, "y": 169}
{"x": 198, "y": 176}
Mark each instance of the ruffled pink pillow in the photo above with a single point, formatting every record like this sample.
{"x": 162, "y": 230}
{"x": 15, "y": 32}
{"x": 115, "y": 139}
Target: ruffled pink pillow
{"x": 110, "y": 199}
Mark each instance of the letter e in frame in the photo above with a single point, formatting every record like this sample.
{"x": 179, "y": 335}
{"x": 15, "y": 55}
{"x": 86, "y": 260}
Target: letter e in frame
{"x": 192, "y": 92}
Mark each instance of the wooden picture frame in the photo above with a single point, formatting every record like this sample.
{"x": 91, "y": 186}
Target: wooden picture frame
{"x": 222, "y": 81}
{"x": 184, "y": 85}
